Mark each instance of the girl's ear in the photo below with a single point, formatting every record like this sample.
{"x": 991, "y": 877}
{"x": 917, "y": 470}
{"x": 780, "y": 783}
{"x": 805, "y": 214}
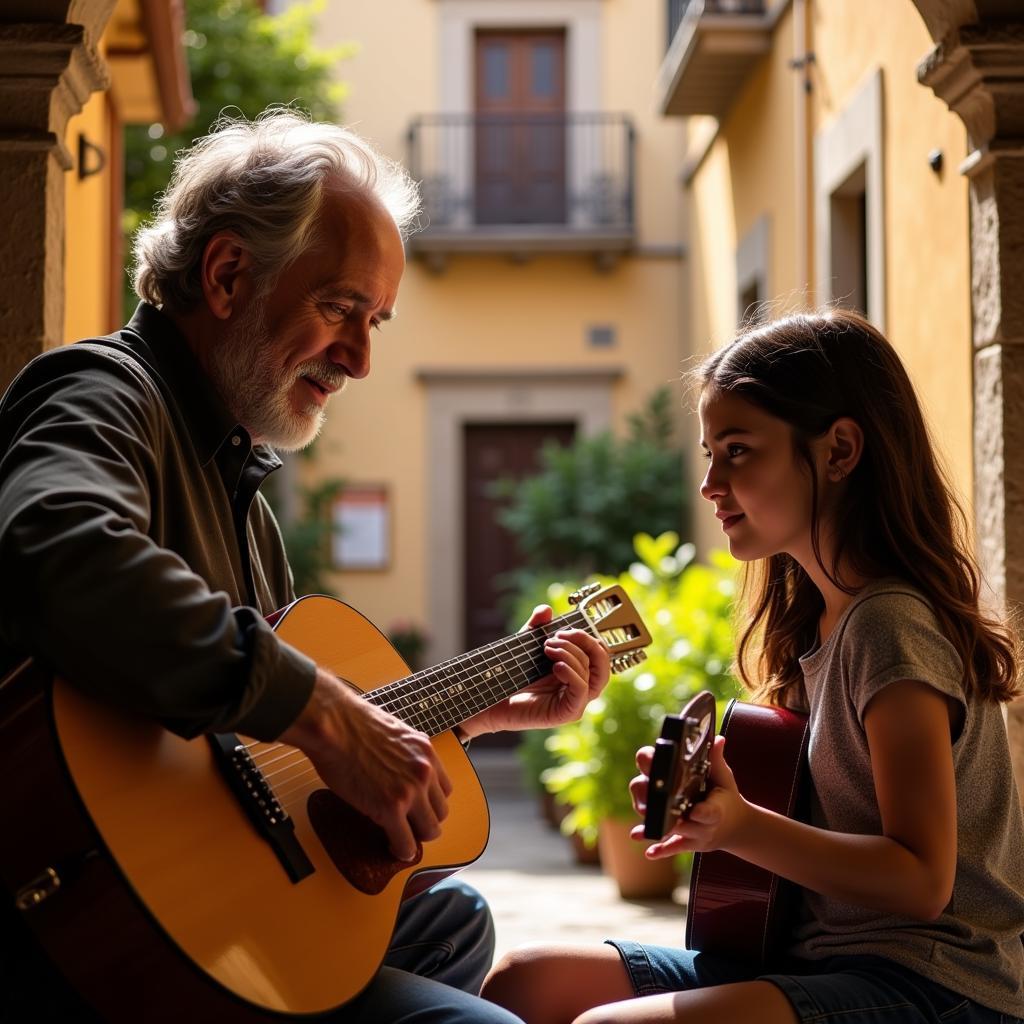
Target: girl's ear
{"x": 845, "y": 442}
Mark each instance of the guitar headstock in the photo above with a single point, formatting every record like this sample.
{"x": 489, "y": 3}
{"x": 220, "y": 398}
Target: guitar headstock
{"x": 679, "y": 772}
{"x": 612, "y": 615}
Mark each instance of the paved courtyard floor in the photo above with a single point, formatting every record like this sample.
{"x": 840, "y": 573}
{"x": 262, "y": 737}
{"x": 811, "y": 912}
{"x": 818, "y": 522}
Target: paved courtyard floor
{"x": 537, "y": 891}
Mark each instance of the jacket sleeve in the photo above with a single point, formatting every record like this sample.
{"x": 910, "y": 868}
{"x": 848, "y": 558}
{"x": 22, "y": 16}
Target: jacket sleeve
{"x": 84, "y": 588}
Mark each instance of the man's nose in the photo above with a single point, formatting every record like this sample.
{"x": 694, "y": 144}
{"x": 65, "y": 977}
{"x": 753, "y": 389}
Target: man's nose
{"x": 352, "y": 354}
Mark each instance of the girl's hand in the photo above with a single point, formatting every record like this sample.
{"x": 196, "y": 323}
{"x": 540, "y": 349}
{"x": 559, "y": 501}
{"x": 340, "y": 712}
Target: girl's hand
{"x": 712, "y": 824}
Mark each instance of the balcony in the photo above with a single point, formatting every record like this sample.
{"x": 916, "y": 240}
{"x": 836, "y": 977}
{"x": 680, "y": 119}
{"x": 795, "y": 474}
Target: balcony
{"x": 713, "y": 46}
{"x": 522, "y": 185}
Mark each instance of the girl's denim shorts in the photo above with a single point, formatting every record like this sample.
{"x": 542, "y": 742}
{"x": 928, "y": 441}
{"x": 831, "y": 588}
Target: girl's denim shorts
{"x": 841, "y": 990}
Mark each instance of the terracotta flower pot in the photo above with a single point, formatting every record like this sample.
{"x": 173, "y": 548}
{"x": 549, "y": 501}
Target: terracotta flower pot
{"x": 623, "y": 860}
{"x": 582, "y": 853}
{"x": 551, "y": 810}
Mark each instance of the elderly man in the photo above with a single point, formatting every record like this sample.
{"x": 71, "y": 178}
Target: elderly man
{"x": 146, "y": 559}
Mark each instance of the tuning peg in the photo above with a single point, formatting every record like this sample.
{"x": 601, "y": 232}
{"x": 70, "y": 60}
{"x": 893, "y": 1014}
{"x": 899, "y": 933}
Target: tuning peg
{"x": 578, "y": 595}
{"x": 623, "y": 661}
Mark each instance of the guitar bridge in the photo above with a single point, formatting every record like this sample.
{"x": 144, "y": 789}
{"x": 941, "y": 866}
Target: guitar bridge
{"x": 257, "y": 798}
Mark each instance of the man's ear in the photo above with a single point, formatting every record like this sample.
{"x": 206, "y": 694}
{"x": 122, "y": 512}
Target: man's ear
{"x": 845, "y": 447}
{"x": 225, "y": 271}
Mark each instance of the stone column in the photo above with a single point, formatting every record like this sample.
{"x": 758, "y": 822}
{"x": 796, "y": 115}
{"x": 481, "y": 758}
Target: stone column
{"x": 978, "y": 69}
{"x": 49, "y": 66}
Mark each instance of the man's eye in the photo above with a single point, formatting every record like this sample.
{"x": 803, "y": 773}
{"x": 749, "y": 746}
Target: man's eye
{"x": 334, "y": 311}
{"x": 735, "y": 449}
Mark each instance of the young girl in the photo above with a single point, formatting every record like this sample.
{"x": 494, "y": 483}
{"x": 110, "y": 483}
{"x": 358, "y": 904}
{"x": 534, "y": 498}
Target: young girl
{"x": 864, "y": 612}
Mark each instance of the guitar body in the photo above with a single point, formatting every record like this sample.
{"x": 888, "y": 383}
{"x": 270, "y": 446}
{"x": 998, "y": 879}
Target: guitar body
{"x": 218, "y": 879}
{"x": 735, "y": 908}
{"x": 165, "y": 885}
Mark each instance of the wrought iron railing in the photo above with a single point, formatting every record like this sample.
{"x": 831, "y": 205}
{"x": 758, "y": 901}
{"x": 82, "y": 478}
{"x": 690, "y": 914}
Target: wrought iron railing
{"x": 497, "y": 170}
{"x": 677, "y": 10}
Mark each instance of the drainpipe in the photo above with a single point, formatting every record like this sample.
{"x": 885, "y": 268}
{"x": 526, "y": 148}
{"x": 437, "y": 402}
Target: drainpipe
{"x": 802, "y": 58}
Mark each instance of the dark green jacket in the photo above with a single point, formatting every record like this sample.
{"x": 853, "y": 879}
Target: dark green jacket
{"x": 137, "y": 557}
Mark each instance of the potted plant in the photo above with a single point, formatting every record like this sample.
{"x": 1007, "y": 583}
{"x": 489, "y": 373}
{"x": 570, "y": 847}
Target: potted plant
{"x": 536, "y": 757}
{"x": 687, "y": 607}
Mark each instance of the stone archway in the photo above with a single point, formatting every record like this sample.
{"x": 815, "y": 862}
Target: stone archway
{"x": 49, "y": 66}
{"x": 977, "y": 68}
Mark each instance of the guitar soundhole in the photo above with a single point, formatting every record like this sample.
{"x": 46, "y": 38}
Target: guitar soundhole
{"x": 357, "y": 846}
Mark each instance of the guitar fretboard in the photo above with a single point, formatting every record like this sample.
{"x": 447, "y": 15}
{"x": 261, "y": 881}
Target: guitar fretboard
{"x": 437, "y": 699}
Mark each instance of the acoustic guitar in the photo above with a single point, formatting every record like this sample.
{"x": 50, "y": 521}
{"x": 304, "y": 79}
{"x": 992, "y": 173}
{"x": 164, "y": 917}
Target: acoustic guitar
{"x": 735, "y": 909}
{"x": 217, "y": 879}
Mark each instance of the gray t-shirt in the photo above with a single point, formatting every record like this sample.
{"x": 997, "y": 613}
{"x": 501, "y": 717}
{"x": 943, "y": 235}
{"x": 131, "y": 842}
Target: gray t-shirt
{"x": 888, "y": 633}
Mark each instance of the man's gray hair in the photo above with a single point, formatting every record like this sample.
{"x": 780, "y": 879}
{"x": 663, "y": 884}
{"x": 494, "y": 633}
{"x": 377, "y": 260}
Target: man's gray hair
{"x": 263, "y": 180}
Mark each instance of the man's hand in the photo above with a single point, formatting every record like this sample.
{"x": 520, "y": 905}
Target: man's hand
{"x": 374, "y": 761}
{"x": 579, "y": 672}
{"x": 711, "y": 825}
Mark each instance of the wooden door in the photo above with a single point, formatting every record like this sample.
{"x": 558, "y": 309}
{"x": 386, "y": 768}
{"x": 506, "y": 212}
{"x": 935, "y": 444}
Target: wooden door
{"x": 493, "y": 452}
{"x": 520, "y": 128}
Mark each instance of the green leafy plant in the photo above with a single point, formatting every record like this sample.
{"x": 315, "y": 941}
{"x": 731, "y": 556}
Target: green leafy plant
{"x": 535, "y": 757}
{"x": 307, "y": 537}
{"x": 410, "y": 641}
{"x": 688, "y": 608}
{"x": 579, "y": 514}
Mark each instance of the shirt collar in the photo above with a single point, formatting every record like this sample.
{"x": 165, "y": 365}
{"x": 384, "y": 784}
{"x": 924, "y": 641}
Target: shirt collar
{"x": 209, "y": 420}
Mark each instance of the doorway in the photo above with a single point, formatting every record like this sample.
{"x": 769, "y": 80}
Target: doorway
{"x": 495, "y": 451}
{"x": 520, "y": 128}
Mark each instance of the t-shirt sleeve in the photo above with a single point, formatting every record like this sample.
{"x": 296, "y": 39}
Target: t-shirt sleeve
{"x": 892, "y": 636}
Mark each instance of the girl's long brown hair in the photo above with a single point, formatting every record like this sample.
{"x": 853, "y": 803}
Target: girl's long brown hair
{"x": 897, "y": 517}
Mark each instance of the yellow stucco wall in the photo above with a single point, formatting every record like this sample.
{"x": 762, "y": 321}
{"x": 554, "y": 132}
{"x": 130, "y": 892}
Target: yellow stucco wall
{"x": 87, "y": 228}
{"x": 486, "y": 311}
{"x": 91, "y": 228}
{"x": 926, "y": 214}
{"x": 748, "y": 172}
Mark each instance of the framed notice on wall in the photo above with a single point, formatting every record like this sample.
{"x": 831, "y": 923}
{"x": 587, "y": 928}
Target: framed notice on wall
{"x": 362, "y": 528}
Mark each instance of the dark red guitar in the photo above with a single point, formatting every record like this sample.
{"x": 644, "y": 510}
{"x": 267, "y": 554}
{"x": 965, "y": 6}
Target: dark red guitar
{"x": 735, "y": 908}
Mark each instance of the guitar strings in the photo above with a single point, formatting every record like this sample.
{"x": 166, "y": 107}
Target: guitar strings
{"x": 483, "y": 699}
{"x": 265, "y": 762}
{"x": 489, "y": 657}
{"x": 292, "y": 796}
{"x": 287, "y": 777}
{"x": 445, "y": 679}
{"x": 468, "y": 670}
{"x": 438, "y": 675}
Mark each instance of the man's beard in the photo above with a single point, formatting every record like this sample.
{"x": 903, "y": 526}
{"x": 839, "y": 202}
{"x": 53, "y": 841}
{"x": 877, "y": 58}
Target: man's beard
{"x": 246, "y": 369}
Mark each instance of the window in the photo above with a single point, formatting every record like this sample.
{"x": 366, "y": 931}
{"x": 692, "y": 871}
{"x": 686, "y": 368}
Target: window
{"x": 849, "y": 206}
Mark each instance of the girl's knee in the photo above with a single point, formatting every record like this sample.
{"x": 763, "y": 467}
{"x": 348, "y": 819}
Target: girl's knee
{"x": 524, "y": 965}
{"x": 522, "y": 982}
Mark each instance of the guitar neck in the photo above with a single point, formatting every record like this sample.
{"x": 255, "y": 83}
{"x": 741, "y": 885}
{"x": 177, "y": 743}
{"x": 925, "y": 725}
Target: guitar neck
{"x": 437, "y": 699}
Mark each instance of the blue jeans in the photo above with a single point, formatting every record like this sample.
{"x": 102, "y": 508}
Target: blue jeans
{"x": 439, "y": 954}
{"x": 841, "y": 990}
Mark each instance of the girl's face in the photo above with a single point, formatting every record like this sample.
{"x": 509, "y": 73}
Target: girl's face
{"x": 760, "y": 487}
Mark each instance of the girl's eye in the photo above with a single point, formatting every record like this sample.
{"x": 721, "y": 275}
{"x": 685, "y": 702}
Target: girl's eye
{"x": 731, "y": 450}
